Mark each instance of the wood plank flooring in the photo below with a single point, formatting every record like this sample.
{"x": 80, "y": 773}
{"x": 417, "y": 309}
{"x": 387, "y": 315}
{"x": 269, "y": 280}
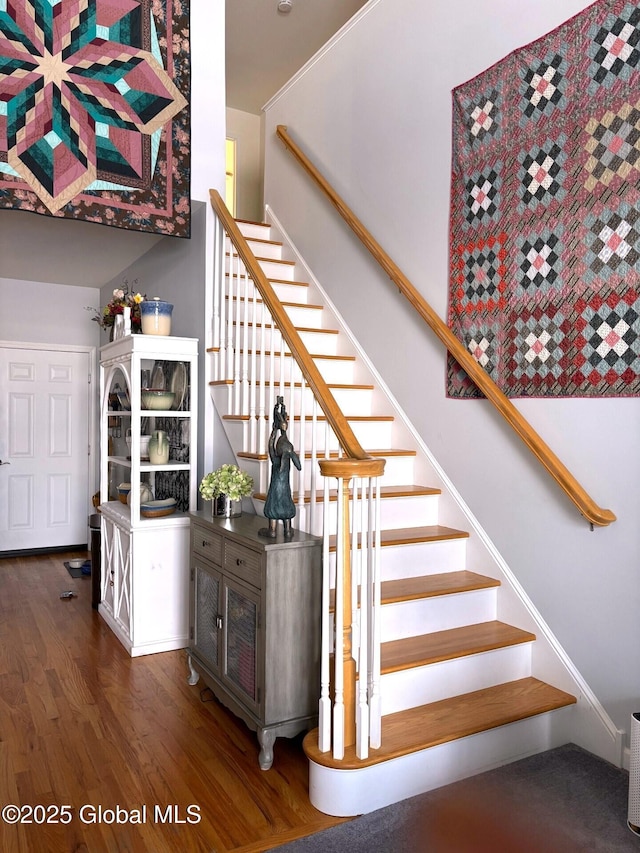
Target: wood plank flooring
{"x": 84, "y": 725}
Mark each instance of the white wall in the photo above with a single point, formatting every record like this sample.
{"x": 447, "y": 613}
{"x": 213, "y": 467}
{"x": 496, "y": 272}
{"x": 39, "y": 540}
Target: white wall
{"x": 374, "y": 112}
{"x": 246, "y": 129}
{"x": 39, "y": 312}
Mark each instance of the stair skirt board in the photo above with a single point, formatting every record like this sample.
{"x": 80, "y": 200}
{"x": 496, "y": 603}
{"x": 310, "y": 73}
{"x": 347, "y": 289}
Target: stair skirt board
{"x": 345, "y": 793}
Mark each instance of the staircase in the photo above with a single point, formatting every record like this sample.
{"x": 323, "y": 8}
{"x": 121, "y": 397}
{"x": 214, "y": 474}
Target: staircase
{"x": 471, "y": 677}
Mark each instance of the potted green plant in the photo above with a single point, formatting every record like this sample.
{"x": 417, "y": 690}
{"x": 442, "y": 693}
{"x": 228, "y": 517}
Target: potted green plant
{"x": 225, "y": 487}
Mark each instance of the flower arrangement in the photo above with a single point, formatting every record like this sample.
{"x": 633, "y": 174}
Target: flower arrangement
{"x": 123, "y": 297}
{"x": 226, "y": 480}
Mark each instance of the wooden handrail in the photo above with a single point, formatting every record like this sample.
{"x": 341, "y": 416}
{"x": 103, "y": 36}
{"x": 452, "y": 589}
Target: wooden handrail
{"x": 586, "y": 505}
{"x": 339, "y": 423}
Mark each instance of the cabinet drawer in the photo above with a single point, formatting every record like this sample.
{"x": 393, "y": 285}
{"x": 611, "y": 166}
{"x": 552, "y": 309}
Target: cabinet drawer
{"x": 207, "y": 544}
{"x": 243, "y": 562}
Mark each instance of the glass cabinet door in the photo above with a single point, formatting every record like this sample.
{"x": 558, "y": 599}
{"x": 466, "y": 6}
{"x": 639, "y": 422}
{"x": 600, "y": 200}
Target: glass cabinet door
{"x": 207, "y": 618}
{"x": 241, "y": 612}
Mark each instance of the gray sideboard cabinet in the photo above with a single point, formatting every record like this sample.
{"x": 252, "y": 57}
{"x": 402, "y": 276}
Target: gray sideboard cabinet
{"x": 255, "y": 606}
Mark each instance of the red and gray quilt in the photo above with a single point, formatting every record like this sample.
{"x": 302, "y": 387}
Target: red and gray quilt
{"x": 545, "y": 213}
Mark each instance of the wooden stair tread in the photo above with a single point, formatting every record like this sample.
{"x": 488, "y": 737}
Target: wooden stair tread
{"x": 286, "y": 304}
{"x": 332, "y": 455}
{"x": 385, "y": 492}
{"x": 321, "y": 418}
{"x": 288, "y": 354}
{"x": 263, "y": 240}
{"x": 428, "y": 586}
{"x": 252, "y": 222}
{"x": 449, "y": 719}
{"x": 452, "y": 643}
{"x": 426, "y": 533}
{"x": 414, "y": 535}
{"x": 392, "y": 451}
{"x": 269, "y": 260}
{"x": 334, "y": 385}
{"x": 297, "y": 328}
{"x": 359, "y": 418}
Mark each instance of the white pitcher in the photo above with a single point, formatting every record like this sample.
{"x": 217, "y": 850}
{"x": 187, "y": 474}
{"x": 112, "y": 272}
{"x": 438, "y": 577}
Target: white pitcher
{"x": 159, "y": 448}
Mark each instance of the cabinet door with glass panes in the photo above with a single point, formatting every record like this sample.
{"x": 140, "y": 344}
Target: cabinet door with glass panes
{"x": 148, "y": 427}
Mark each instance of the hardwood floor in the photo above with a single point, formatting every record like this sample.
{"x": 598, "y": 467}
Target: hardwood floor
{"x": 82, "y": 725}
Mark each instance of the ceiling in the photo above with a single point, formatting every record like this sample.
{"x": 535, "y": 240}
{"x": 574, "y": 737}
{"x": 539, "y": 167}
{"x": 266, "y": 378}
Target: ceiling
{"x": 264, "y": 49}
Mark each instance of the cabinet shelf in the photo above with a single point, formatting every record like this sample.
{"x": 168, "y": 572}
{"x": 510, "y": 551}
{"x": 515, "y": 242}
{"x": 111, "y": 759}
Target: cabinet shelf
{"x": 123, "y": 513}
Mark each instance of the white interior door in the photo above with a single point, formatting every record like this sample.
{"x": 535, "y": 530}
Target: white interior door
{"x": 44, "y": 448}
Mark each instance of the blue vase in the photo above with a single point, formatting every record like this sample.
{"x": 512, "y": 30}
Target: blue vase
{"x": 156, "y": 316}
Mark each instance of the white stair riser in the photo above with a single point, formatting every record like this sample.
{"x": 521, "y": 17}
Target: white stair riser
{"x": 271, "y": 268}
{"x": 419, "y": 507}
{"x": 415, "y": 560}
{"x": 437, "y": 613}
{"x": 422, "y": 558}
{"x": 398, "y": 472}
{"x": 357, "y": 401}
{"x": 421, "y": 685}
{"x": 343, "y": 794}
{"x": 260, "y": 246}
{"x": 307, "y": 317}
{"x": 320, "y": 343}
{"x": 309, "y": 468}
{"x": 287, "y": 292}
{"x": 270, "y": 367}
{"x": 368, "y": 433}
{"x": 250, "y": 311}
{"x": 331, "y": 369}
{"x": 399, "y": 512}
{"x": 273, "y": 251}
{"x": 255, "y": 229}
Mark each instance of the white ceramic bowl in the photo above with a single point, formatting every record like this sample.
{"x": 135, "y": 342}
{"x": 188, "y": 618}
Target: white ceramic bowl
{"x": 158, "y": 400}
{"x": 77, "y": 563}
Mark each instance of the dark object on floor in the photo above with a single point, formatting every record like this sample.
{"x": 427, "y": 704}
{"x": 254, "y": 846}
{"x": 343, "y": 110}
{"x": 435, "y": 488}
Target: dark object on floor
{"x": 96, "y": 566}
{"x": 84, "y": 571}
{"x": 576, "y": 798}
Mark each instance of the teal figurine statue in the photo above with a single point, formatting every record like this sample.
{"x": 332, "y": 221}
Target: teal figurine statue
{"x": 279, "y": 505}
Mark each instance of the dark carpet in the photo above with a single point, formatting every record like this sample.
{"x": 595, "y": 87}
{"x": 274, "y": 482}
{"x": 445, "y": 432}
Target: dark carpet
{"x": 559, "y": 801}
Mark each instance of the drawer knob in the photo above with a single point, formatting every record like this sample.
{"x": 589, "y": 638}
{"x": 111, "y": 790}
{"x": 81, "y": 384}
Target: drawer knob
{"x": 239, "y": 562}
{"x": 205, "y": 543}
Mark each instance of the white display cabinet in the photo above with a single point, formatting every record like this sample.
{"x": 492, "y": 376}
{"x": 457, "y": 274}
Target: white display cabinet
{"x": 145, "y": 550}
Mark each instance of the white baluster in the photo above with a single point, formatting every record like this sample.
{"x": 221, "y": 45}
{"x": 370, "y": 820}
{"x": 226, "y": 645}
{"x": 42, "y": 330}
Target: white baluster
{"x": 362, "y": 707}
{"x": 338, "y": 671}
{"x": 218, "y": 293}
{"x": 375, "y": 700}
{"x": 253, "y": 405}
{"x": 244, "y": 372}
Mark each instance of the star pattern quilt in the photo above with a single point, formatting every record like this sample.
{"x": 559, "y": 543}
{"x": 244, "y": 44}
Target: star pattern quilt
{"x": 545, "y": 212}
{"x": 94, "y": 112}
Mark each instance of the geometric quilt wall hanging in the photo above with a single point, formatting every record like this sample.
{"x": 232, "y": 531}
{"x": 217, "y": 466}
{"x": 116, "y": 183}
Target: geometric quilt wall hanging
{"x": 94, "y": 111}
{"x": 545, "y": 213}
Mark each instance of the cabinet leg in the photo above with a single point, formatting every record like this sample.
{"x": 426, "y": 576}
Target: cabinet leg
{"x": 266, "y": 739}
{"x": 194, "y": 677}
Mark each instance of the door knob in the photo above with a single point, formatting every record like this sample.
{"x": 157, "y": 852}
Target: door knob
{"x": 4, "y": 463}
